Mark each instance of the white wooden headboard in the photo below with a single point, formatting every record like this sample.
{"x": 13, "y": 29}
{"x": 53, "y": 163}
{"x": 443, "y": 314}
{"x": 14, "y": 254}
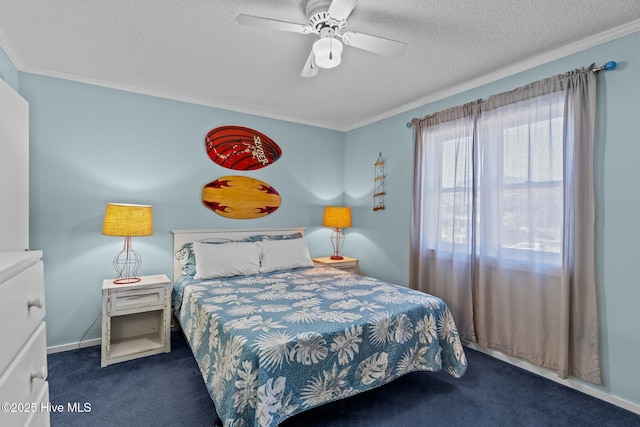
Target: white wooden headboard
{"x": 180, "y": 237}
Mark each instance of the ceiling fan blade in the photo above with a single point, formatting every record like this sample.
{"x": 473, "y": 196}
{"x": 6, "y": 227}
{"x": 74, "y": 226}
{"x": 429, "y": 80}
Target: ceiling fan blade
{"x": 273, "y": 24}
{"x": 310, "y": 68}
{"x": 341, "y": 9}
{"x": 379, "y": 45}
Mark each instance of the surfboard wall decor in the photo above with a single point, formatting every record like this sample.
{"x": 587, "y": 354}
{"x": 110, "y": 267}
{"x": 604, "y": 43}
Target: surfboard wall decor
{"x": 240, "y": 197}
{"x": 241, "y": 148}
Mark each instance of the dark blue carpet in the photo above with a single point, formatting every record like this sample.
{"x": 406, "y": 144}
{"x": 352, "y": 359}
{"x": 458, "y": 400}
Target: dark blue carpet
{"x": 167, "y": 390}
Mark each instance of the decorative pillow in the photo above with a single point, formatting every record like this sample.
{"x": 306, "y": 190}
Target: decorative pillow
{"x": 284, "y": 255}
{"x": 187, "y": 259}
{"x": 226, "y": 260}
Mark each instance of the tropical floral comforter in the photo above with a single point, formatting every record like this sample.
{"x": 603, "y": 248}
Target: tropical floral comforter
{"x": 272, "y": 345}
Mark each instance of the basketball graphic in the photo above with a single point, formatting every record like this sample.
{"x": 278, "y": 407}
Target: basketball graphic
{"x": 240, "y": 197}
{"x": 241, "y": 148}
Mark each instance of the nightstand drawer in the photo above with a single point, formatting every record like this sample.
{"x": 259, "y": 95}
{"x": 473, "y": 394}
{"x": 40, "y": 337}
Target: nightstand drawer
{"x": 137, "y": 298}
{"x": 349, "y": 268}
{"x": 344, "y": 264}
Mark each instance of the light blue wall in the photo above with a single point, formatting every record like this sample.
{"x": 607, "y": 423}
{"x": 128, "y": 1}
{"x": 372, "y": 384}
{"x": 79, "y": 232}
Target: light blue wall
{"x": 8, "y": 71}
{"x": 91, "y": 145}
{"x": 380, "y": 239}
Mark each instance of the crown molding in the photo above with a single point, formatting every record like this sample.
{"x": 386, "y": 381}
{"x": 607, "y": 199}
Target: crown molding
{"x": 516, "y": 68}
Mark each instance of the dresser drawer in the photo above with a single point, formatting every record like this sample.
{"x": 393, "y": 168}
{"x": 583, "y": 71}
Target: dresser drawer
{"x": 21, "y": 310}
{"x": 151, "y": 298}
{"x": 22, "y": 382}
{"x": 41, "y": 418}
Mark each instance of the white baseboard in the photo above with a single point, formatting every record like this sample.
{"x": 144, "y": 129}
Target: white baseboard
{"x": 74, "y": 346}
{"x": 552, "y": 375}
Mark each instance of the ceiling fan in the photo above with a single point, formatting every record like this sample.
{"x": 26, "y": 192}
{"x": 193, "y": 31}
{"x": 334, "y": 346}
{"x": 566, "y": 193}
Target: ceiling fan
{"x": 328, "y": 19}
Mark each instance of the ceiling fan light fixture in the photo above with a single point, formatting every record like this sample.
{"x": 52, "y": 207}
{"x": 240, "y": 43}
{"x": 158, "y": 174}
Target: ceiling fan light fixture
{"x": 327, "y": 52}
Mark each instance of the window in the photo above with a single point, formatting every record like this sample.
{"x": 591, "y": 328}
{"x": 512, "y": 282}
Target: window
{"x": 531, "y": 187}
{"x": 520, "y": 184}
{"x": 503, "y": 181}
{"x": 502, "y": 221}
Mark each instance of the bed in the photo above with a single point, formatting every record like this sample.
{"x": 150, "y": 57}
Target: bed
{"x": 274, "y": 335}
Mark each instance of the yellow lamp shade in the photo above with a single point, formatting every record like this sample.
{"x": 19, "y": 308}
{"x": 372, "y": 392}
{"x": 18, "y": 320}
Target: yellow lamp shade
{"x": 337, "y": 216}
{"x": 127, "y": 220}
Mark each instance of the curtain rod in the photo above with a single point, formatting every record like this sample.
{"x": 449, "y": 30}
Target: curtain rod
{"x": 611, "y": 65}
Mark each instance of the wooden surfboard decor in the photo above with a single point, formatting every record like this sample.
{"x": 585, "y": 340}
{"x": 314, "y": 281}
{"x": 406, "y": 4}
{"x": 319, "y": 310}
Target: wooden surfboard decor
{"x": 240, "y": 197}
{"x": 241, "y": 148}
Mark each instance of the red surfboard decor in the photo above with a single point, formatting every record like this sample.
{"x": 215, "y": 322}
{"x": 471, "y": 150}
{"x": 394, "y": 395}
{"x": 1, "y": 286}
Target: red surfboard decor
{"x": 241, "y": 148}
{"x": 240, "y": 197}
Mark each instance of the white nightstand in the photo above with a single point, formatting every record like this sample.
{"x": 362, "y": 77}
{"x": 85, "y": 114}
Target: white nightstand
{"x": 346, "y": 264}
{"x": 136, "y": 319}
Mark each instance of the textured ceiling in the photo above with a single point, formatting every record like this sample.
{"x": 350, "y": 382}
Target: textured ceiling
{"x": 195, "y": 50}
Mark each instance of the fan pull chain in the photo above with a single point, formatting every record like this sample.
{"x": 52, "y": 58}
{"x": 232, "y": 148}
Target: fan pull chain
{"x": 331, "y": 46}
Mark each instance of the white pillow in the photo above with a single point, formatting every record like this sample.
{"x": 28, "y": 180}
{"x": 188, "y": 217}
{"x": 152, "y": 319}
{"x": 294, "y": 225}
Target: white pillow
{"x": 284, "y": 255}
{"x": 225, "y": 260}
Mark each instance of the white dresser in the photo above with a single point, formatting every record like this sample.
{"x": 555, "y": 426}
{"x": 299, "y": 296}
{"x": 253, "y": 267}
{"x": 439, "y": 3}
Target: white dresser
{"x": 24, "y": 391}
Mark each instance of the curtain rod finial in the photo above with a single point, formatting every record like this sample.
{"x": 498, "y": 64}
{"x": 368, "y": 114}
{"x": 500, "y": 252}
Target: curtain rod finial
{"x": 611, "y": 65}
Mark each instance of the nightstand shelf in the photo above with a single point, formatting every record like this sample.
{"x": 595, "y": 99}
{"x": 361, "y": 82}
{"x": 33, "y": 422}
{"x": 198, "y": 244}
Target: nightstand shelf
{"x": 136, "y": 319}
{"x": 128, "y": 346}
{"x": 346, "y": 264}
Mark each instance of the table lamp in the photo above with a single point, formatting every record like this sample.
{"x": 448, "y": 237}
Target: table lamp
{"x": 337, "y": 217}
{"x": 127, "y": 221}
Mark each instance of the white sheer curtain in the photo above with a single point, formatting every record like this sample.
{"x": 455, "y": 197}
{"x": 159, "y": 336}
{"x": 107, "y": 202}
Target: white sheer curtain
{"x": 442, "y": 250}
{"x": 503, "y": 221}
